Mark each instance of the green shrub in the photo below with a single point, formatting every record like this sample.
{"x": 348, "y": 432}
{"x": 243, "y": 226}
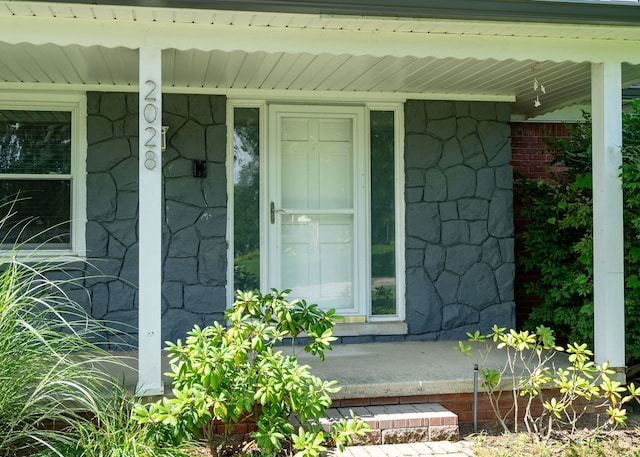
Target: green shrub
{"x": 530, "y": 368}
{"x": 558, "y": 238}
{"x": 228, "y": 373}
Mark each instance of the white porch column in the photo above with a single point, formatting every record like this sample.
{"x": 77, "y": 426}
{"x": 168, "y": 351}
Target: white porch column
{"x": 608, "y": 255}
{"x": 150, "y": 224}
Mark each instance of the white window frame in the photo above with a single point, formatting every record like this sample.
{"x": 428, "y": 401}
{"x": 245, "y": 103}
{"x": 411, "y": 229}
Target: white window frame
{"x": 76, "y": 104}
{"x": 376, "y": 325}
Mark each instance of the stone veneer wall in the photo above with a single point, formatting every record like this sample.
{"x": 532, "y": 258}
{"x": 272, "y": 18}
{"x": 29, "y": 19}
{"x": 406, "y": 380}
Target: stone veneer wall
{"x": 194, "y": 228}
{"x": 459, "y": 218}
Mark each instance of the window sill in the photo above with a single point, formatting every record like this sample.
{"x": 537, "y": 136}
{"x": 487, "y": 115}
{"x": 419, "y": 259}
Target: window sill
{"x": 40, "y": 256}
{"x": 370, "y": 328}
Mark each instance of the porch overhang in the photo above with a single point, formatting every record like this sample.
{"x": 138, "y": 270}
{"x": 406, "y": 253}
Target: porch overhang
{"x": 245, "y": 53}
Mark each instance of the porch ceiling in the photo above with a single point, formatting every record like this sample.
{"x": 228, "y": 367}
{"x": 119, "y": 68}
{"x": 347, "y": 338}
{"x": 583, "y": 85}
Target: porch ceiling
{"x": 325, "y": 71}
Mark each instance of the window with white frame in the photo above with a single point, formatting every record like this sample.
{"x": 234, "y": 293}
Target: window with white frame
{"x": 383, "y": 256}
{"x": 40, "y": 167}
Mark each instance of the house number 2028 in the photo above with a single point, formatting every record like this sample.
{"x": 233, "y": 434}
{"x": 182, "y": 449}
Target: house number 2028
{"x": 150, "y": 115}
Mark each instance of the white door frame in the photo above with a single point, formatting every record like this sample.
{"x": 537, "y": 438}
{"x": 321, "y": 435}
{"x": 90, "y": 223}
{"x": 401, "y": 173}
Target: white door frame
{"x": 360, "y": 193}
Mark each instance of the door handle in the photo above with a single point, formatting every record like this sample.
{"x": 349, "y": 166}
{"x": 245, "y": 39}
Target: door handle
{"x": 273, "y": 211}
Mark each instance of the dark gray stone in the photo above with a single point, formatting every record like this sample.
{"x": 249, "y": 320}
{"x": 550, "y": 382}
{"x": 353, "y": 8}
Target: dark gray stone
{"x": 181, "y": 269}
{"x": 491, "y": 253}
{"x": 123, "y": 230}
{"x": 96, "y": 238}
{"x": 101, "y": 197}
{"x": 501, "y": 214}
{"x": 424, "y": 310}
{"x": 176, "y": 104}
{"x": 117, "y": 250}
{"x": 423, "y": 151}
{"x": 493, "y": 136}
{"x": 414, "y": 178}
{"x": 104, "y": 156}
{"x": 448, "y": 211}
{"x": 212, "y": 262}
{"x": 125, "y": 174}
{"x": 447, "y": 287}
{"x": 178, "y": 168}
{"x": 507, "y": 250}
{"x": 504, "y": 177}
{"x": 177, "y": 322}
{"x": 184, "y": 243}
{"x": 184, "y": 190}
{"x": 131, "y": 126}
{"x": 471, "y": 146}
{"x": 455, "y": 316}
{"x": 502, "y": 314}
{"x": 466, "y": 126}
{"x": 415, "y": 116}
{"x": 503, "y": 156}
{"x": 451, "y": 154}
{"x": 478, "y": 232}
{"x": 113, "y": 105}
{"x": 199, "y": 109}
{"x": 174, "y": 123}
{"x": 204, "y": 300}
{"x": 505, "y": 275}
{"x": 98, "y": 129}
{"x": 172, "y": 294}
{"x": 483, "y": 111}
{"x": 127, "y": 205}
{"x": 459, "y": 259}
{"x": 212, "y": 223}
{"x": 414, "y": 195}
{"x": 215, "y": 186}
{"x": 461, "y": 182}
{"x": 414, "y": 257}
{"x": 478, "y": 287}
{"x": 93, "y": 102}
{"x": 442, "y": 129}
{"x": 440, "y": 109}
{"x": 477, "y": 161}
{"x": 503, "y": 112}
{"x": 415, "y": 243}
{"x": 486, "y": 183}
{"x": 434, "y": 259}
{"x": 216, "y": 142}
{"x": 473, "y": 209}
{"x": 121, "y": 296}
{"x": 179, "y": 215}
{"x": 102, "y": 270}
{"x": 455, "y": 232}
{"x": 462, "y": 109}
{"x": 130, "y": 265}
{"x": 423, "y": 221}
{"x": 189, "y": 140}
{"x": 219, "y": 108}
{"x": 99, "y": 300}
{"x": 131, "y": 99}
{"x": 435, "y": 188}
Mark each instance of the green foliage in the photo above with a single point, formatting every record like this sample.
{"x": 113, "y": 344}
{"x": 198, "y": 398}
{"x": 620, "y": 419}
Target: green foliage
{"x": 228, "y": 373}
{"x": 558, "y": 238}
{"x": 532, "y": 366}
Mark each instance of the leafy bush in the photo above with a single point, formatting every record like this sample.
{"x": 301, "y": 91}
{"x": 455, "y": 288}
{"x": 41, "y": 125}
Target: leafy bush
{"x": 529, "y": 369}
{"x": 558, "y": 238}
{"x": 227, "y": 374}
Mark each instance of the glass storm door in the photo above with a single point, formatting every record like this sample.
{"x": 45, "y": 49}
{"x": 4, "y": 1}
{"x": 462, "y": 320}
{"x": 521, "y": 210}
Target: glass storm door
{"x": 313, "y": 204}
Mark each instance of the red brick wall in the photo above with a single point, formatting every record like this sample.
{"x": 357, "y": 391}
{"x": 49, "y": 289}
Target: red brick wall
{"x": 530, "y": 158}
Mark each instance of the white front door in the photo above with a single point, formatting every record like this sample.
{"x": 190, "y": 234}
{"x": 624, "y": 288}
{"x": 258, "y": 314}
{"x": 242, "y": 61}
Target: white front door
{"x": 316, "y": 188}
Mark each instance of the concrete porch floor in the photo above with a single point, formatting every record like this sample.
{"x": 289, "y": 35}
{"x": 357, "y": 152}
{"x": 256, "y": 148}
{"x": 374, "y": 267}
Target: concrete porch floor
{"x": 379, "y": 370}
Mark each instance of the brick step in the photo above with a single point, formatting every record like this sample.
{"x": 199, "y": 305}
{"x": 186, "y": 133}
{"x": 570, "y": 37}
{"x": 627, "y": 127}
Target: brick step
{"x": 406, "y": 423}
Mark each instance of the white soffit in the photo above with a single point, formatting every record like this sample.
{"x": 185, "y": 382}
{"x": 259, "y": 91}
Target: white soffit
{"x": 326, "y": 70}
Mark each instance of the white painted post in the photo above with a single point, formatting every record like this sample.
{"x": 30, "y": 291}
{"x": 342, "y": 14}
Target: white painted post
{"x": 150, "y": 223}
{"x": 608, "y": 253}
